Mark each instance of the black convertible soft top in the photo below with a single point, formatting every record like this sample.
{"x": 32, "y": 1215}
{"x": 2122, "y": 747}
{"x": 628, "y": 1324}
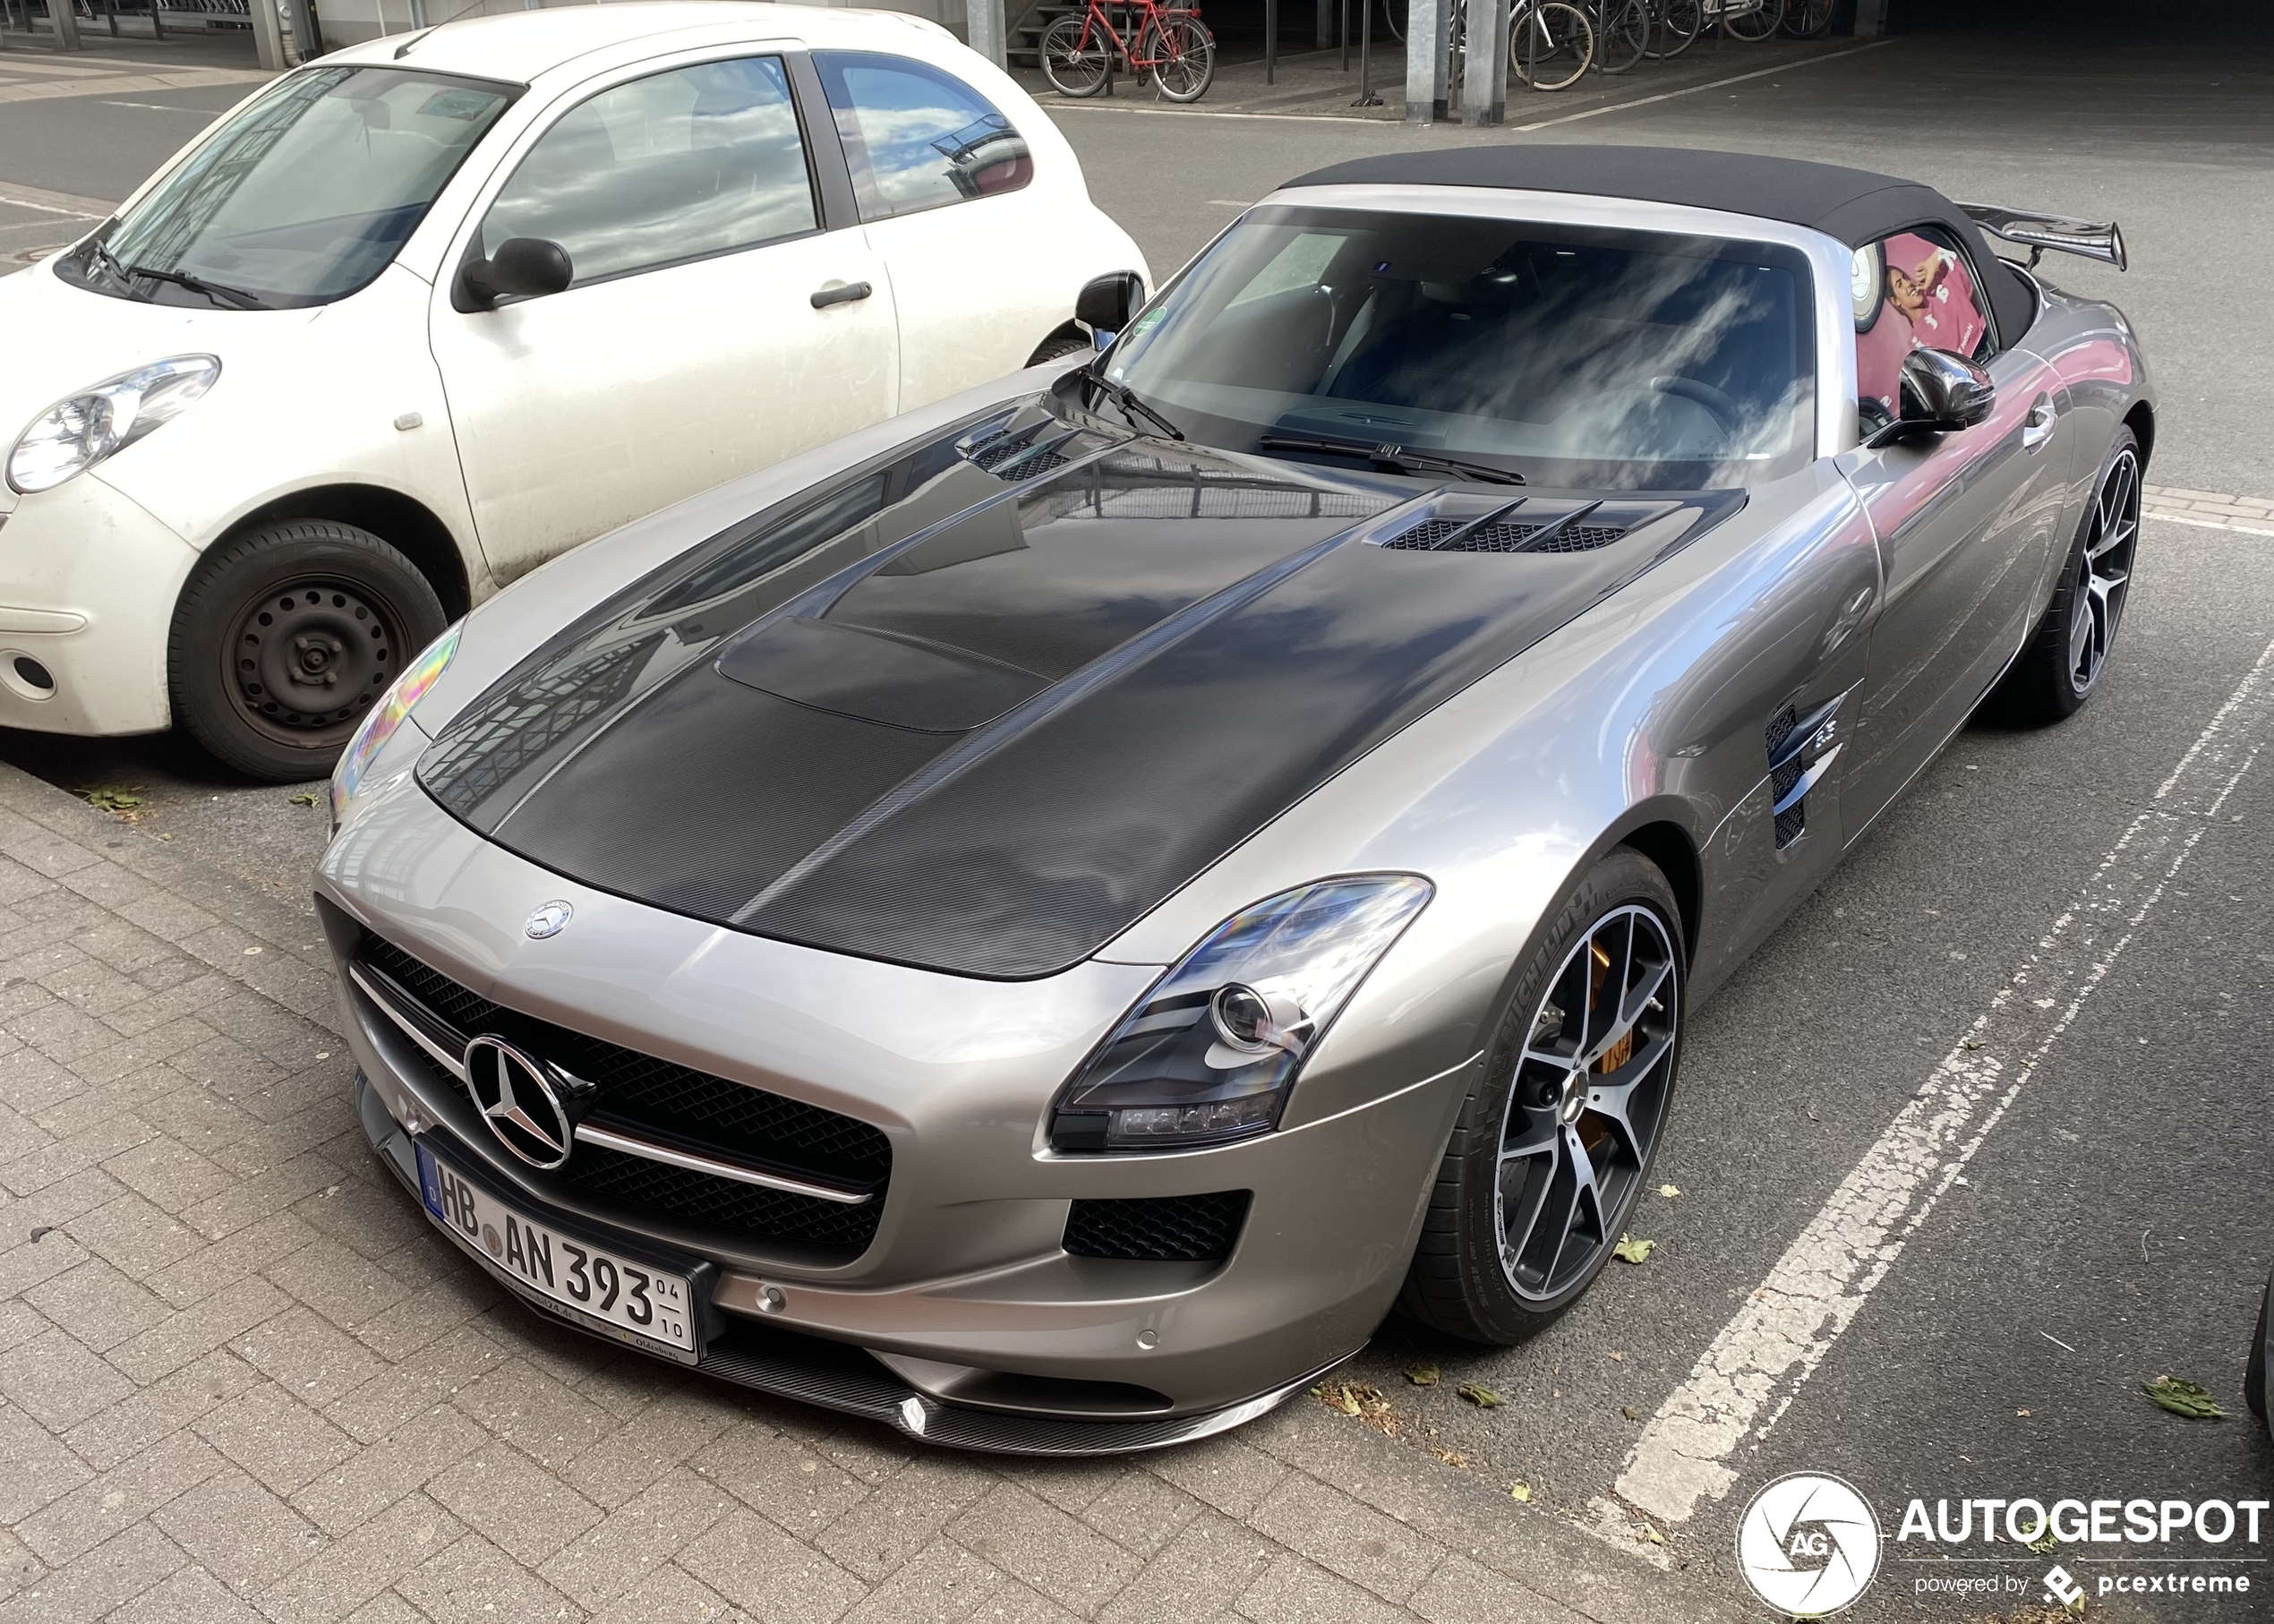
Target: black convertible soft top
{"x": 1853, "y": 205}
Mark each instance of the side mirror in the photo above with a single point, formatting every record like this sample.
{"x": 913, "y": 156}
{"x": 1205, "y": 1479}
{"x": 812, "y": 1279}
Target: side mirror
{"x": 1941, "y": 391}
{"x": 1107, "y": 302}
{"x": 527, "y": 267}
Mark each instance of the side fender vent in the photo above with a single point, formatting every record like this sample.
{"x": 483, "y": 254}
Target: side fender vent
{"x": 1800, "y": 750}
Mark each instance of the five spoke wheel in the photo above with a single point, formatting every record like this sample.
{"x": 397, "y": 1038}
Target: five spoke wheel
{"x": 2111, "y": 531}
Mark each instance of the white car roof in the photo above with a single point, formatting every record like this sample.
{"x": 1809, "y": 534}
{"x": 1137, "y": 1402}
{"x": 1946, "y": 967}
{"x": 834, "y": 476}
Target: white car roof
{"x": 522, "y": 46}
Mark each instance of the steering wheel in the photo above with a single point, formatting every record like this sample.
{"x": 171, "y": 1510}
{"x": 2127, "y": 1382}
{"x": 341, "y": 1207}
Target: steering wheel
{"x": 1725, "y": 411}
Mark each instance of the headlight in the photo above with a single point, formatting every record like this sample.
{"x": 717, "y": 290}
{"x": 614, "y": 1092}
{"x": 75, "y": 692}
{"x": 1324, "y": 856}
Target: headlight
{"x": 73, "y": 435}
{"x": 1213, "y": 1050}
{"x": 379, "y": 726}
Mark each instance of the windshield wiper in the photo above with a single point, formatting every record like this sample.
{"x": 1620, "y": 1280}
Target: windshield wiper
{"x": 1398, "y": 459}
{"x": 1133, "y": 404}
{"x": 214, "y": 291}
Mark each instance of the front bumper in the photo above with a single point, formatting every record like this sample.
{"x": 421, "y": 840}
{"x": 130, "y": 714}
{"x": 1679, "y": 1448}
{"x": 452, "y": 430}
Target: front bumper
{"x": 838, "y": 1376}
{"x": 88, "y": 584}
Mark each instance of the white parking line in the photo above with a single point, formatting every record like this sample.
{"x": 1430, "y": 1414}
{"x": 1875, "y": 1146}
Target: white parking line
{"x": 1756, "y": 1365}
{"x": 1644, "y": 101}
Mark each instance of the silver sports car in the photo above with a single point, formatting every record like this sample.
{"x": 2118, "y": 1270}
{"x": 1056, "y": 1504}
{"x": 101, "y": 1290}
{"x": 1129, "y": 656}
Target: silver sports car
{"x": 1042, "y": 922}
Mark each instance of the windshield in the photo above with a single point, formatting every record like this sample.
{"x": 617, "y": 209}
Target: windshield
{"x": 300, "y": 198}
{"x": 1570, "y": 355}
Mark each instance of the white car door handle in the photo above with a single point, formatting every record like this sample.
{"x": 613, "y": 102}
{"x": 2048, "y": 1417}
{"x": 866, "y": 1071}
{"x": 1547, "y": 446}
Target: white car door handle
{"x": 2038, "y": 427}
{"x": 844, "y": 292}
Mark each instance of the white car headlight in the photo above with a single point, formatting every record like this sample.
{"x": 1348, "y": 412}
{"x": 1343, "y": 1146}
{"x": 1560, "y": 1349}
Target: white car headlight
{"x": 75, "y": 433}
{"x": 380, "y": 724}
{"x": 1211, "y": 1053}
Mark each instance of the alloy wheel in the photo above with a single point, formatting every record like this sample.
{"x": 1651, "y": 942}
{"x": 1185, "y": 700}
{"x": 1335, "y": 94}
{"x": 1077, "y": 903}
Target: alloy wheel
{"x": 1587, "y": 1102}
{"x": 2105, "y": 572}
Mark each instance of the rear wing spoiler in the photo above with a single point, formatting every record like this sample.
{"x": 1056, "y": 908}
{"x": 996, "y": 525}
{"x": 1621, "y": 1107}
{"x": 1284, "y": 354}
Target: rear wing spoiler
{"x": 2037, "y": 231}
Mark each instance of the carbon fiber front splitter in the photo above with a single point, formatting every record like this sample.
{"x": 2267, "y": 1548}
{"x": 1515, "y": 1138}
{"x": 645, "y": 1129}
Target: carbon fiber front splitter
{"x": 838, "y": 1376}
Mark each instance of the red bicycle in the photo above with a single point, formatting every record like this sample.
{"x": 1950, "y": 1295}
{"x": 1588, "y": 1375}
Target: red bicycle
{"x": 1171, "y": 43}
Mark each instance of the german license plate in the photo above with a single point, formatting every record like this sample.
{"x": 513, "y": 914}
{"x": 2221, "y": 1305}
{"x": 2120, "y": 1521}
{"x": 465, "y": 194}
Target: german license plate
{"x": 593, "y": 1281}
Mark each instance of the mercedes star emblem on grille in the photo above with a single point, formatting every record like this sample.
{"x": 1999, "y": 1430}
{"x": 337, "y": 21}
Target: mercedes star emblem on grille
{"x": 520, "y": 1100}
{"x": 548, "y": 920}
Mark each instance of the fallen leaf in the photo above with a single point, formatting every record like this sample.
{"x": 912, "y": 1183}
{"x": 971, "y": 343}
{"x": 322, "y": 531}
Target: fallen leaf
{"x": 2182, "y": 1398}
{"x": 1335, "y": 1395}
{"x": 1422, "y": 1375}
{"x": 308, "y": 799}
{"x": 1632, "y": 1250}
{"x": 2045, "y": 1543}
{"x": 1628, "y": 1411}
{"x": 1482, "y": 1398}
{"x": 1668, "y": 1190}
{"x": 1459, "y": 1459}
{"x": 1652, "y": 1536}
{"x": 1520, "y": 1492}
{"x": 2020, "y": 1412}
{"x": 113, "y": 797}
{"x": 1621, "y": 1358}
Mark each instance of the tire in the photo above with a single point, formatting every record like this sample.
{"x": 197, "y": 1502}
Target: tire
{"x": 1395, "y": 16}
{"x": 1512, "y": 1164}
{"x": 1808, "y": 19}
{"x": 1184, "y": 57}
{"x": 1674, "y": 27}
{"x": 1550, "y": 46}
{"x": 286, "y": 635}
{"x": 2254, "y": 1390}
{"x": 1623, "y": 34}
{"x": 1755, "y": 26}
{"x": 1077, "y": 59}
{"x": 2061, "y": 664}
{"x": 1057, "y": 346}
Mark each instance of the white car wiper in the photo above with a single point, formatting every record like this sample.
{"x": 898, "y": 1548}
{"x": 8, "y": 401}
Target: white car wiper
{"x": 216, "y": 291}
{"x": 1397, "y": 458}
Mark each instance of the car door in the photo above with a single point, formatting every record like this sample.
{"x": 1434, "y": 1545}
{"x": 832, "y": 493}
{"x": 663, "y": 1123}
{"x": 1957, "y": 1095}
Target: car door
{"x": 696, "y": 342}
{"x": 980, "y": 273}
{"x": 1965, "y": 521}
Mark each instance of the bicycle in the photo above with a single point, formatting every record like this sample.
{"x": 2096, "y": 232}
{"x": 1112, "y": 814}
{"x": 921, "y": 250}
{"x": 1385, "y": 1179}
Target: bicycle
{"x": 1808, "y": 19}
{"x": 1674, "y": 27}
{"x": 1551, "y": 43}
{"x": 1170, "y": 42}
{"x": 1752, "y": 20}
{"x": 1622, "y": 34}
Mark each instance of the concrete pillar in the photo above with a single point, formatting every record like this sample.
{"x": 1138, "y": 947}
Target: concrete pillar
{"x": 65, "y": 23}
{"x": 990, "y": 34}
{"x": 1484, "y": 65}
{"x": 1871, "y": 19}
{"x": 268, "y": 35}
{"x": 307, "y": 39}
{"x": 1427, "y": 24}
{"x": 1323, "y": 37}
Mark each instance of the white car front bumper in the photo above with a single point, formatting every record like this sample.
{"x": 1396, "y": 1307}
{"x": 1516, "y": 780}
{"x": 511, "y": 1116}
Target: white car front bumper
{"x": 88, "y": 584}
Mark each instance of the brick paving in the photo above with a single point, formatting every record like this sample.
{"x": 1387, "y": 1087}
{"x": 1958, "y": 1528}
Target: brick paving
{"x": 240, "y": 1381}
{"x": 2228, "y": 512}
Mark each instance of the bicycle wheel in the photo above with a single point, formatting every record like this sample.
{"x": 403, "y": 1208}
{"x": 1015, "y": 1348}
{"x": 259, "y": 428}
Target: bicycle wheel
{"x": 1674, "y": 27}
{"x": 1077, "y": 57}
{"x": 1550, "y": 45}
{"x": 1806, "y": 19}
{"x": 1621, "y": 35}
{"x": 1754, "y": 23}
{"x": 1393, "y": 12}
{"x": 1182, "y": 56}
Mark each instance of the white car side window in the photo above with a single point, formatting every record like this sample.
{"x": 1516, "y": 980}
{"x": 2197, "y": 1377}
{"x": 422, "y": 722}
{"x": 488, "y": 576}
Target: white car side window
{"x": 917, "y": 138}
{"x": 698, "y": 161}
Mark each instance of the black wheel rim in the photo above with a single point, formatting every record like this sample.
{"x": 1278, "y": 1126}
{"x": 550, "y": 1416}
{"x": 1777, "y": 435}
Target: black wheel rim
{"x": 305, "y": 661}
{"x": 2105, "y": 572}
{"x": 1586, "y": 1104}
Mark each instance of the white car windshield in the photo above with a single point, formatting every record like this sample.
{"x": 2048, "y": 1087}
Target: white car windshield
{"x": 300, "y": 197}
{"x": 1566, "y": 355}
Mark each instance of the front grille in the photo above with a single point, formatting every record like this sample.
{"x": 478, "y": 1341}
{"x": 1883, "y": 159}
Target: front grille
{"x": 708, "y": 1113}
{"x": 1428, "y": 535}
{"x": 1159, "y": 1229}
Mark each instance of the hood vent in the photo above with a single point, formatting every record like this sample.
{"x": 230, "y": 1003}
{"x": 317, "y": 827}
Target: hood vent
{"x": 1018, "y": 455}
{"x": 1430, "y": 535}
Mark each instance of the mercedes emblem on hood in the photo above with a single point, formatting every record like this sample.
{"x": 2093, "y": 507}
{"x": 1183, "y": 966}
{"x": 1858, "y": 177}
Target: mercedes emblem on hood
{"x": 521, "y": 1101}
{"x": 548, "y": 920}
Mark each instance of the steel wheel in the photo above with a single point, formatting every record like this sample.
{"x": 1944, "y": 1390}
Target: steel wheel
{"x": 1584, "y": 1105}
{"x": 1550, "y": 46}
{"x": 1674, "y": 26}
{"x": 1555, "y": 1138}
{"x": 2112, "y": 530}
{"x": 1077, "y": 57}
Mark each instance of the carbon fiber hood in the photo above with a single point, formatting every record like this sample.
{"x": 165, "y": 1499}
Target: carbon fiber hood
{"x": 980, "y": 706}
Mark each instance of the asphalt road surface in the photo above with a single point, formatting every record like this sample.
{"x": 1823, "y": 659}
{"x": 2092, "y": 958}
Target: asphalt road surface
{"x": 2103, "y": 1212}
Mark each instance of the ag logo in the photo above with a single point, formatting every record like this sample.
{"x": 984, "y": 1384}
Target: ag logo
{"x": 1809, "y": 1544}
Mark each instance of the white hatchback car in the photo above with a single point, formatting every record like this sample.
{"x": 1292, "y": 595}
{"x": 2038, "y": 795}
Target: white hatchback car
{"x": 434, "y": 309}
